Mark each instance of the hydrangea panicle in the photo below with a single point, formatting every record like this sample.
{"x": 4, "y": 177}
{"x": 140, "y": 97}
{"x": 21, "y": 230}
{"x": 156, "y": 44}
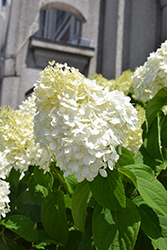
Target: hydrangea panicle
{"x": 17, "y": 138}
{"x": 4, "y": 199}
{"x": 152, "y": 76}
{"x": 134, "y": 140}
{"x": 4, "y": 166}
{"x": 80, "y": 121}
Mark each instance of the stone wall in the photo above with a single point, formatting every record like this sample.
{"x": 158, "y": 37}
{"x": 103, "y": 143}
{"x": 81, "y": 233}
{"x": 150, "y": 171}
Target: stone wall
{"x": 121, "y": 34}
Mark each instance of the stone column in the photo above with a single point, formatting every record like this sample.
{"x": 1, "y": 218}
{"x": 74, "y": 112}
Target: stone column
{"x": 10, "y": 83}
{"x": 164, "y": 19}
{"x": 120, "y": 31}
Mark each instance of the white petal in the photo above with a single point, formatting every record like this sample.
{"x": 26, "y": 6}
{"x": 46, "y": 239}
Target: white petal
{"x": 53, "y": 145}
{"x": 103, "y": 172}
{"x": 85, "y": 171}
{"x": 66, "y": 173}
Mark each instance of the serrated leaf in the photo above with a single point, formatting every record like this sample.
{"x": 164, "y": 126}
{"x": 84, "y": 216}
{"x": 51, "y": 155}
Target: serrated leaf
{"x": 53, "y": 217}
{"x": 126, "y": 158}
{"x": 155, "y": 105}
{"x": 154, "y": 224}
{"x": 79, "y": 204}
{"x": 151, "y": 190}
{"x": 22, "y": 226}
{"x": 116, "y": 230}
{"x": 109, "y": 191}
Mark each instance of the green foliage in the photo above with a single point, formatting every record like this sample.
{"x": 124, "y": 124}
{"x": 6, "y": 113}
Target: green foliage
{"x": 109, "y": 191}
{"x": 116, "y": 229}
{"x": 53, "y": 217}
{"x": 124, "y": 211}
{"x": 79, "y": 204}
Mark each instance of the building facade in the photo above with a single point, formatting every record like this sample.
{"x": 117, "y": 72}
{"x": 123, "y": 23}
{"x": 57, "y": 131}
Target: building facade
{"x": 104, "y": 36}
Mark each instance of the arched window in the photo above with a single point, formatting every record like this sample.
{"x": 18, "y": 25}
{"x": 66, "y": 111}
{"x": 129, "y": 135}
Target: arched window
{"x": 59, "y": 25}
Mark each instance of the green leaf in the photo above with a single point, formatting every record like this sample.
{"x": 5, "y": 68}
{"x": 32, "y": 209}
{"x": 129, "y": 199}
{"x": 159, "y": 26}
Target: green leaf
{"x": 53, "y": 215}
{"x": 15, "y": 247}
{"x": 143, "y": 242}
{"x": 14, "y": 178}
{"x": 153, "y": 223}
{"x": 85, "y": 244}
{"x": 128, "y": 173}
{"x": 155, "y": 105}
{"x": 79, "y": 204}
{"x": 126, "y": 158}
{"x": 109, "y": 191}
{"x": 23, "y": 203}
{"x": 163, "y": 178}
{"x": 3, "y": 245}
{"x": 164, "y": 131}
{"x": 152, "y": 139}
{"x": 10, "y": 246}
{"x": 143, "y": 157}
{"x": 73, "y": 241}
{"x": 68, "y": 201}
{"x": 22, "y": 226}
{"x": 116, "y": 230}
{"x": 35, "y": 213}
{"x": 44, "y": 237}
{"x": 37, "y": 191}
{"x": 151, "y": 190}
{"x": 41, "y": 178}
{"x": 71, "y": 181}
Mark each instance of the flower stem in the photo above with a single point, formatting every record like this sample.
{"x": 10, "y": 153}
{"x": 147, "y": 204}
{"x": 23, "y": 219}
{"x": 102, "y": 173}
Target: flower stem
{"x": 63, "y": 183}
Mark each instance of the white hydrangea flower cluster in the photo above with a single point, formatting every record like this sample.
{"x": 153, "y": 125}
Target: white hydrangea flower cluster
{"x": 4, "y": 199}
{"x": 4, "y": 166}
{"x": 17, "y": 140}
{"x": 134, "y": 140}
{"x": 80, "y": 121}
{"x": 152, "y": 76}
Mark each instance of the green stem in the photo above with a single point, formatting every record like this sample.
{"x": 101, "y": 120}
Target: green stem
{"x": 60, "y": 180}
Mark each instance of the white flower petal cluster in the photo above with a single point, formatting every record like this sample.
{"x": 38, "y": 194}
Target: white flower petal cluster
{"x": 17, "y": 140}
{"x": 4, "y": 199}
{"x": 80, "y": 121}
{"x": 152, "y": 76}
{"x": 134, "y": 140}
{"x": 4, "y": 166}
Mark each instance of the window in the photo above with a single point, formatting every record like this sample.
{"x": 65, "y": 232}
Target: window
{"x": 3, "y": 2}
{"x": 59, "y": 25}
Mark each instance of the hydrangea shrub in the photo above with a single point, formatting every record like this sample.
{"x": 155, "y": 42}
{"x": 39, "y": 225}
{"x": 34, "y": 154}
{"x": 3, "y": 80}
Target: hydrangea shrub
{"x": 152, "y": 76}
{"x": 83, "y": 166}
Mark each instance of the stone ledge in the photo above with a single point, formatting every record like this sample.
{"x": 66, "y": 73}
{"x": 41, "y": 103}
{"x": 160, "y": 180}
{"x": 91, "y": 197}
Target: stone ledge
{"x": 66, "y": 48}
{"x": 41, "y": 51}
